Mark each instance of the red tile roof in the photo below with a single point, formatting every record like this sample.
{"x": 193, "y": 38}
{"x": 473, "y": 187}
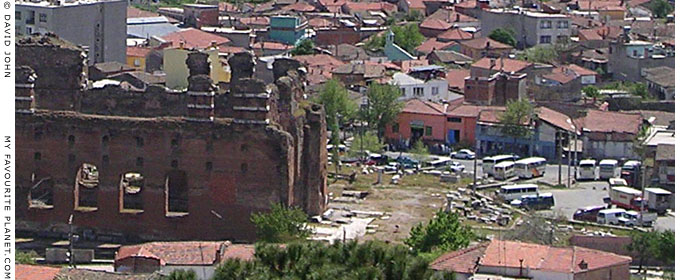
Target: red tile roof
{"x": 231, "y": 49}
{"x": 237, "y": 251}
{"x": 271, "y": 46}
{"x": 548, "y": 258}
{"x": 509, "y": 65}
{"x": 263, "y": 21}
{"x": 451, "y": 16}
{"x": 194, "y": 38}
{"x": 456, "y": 78}
{"x": 318, "y": 60}
{"x": 176, "y": 253}
{"x": 455, "y": 34}
{"x": 226, "y": 7}
{"x": 332, "y": 6}
{"x": 35, "y": 272}
{"x": 556, "y": 119}
{"x": 466, "y": 110}
{"x": 415, "y": 4}
{"x": 435, "y": 24}
{"x": 138, "y": 51}
{"x": 607, "y": 32}
{"x": 463, "y": 261}
{"x": 406, "y": 65}
{"x": 133, "y": 12}
{"x": 595, "y": 4}
{"x": 634, "y": 3}
{"x": 491, "y": 115}
{"x": 480, "y": 43}
{"x": 418, "y": 106}
{"x": 371, "y": 6}
{"x": 300, "y": 7}
{"x": 581, "y": 71}
{"x": 321, "y": 23}
{"x": 466, "y": 4}
{"x": 561, "y": 75}
{"x": 609, "y": 122}
{"x": 433, "y": 44}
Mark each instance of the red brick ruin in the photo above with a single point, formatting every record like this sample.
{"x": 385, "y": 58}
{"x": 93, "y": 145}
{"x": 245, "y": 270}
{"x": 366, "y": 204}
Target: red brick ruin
{"x": 161, "y": 165}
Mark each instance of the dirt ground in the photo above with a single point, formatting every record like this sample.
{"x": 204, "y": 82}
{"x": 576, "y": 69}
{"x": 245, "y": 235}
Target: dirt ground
{"x": 414, "y": 200}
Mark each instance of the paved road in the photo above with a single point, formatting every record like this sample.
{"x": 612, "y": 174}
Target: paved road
{"x": 590, "y": 194}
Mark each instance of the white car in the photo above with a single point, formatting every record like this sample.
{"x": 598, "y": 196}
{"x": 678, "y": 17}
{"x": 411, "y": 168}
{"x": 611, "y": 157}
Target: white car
{"x": 457, "y": 167}
{"x": 463, "y": 154}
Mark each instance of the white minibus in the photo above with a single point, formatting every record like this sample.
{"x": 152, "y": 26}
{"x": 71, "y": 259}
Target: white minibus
{"x": 489, "y": 162}
{"x": 607, "y": 168}
{"x": 530, "y": 167}
{"x": 586, "y": 170}
{"x": 504, "y": 170}
{"x": 508, "y": 193}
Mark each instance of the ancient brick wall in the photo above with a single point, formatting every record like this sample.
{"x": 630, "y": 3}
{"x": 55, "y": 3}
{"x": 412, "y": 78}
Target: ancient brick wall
{"x": 146, "y": 166}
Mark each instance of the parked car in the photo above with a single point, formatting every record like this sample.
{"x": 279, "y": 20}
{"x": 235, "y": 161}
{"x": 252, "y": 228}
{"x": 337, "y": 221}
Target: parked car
{"x": 540, "y": 201}
{"x": 633, "y": 218}
{"x": 588, "y": 214}
{"x": 408, "y": 163}
{"x": 391, "y": 167}
{"x": 457, "y": 167}
{"x": 610, "y": 216}
{"x": 463, "y": 154}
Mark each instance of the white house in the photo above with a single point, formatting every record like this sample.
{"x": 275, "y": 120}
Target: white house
{"x": 434, "y": 90}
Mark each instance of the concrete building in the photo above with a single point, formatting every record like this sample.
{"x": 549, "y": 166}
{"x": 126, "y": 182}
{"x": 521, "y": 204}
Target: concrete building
{"x": 100, "y": 27}
{"x": 432, "y": 122}
{"x": 543, "y": 140}
{"x": 628, "y": 57}
{"x": 531, "y": 28}
{"x": 435, "y": 90}
{"x": 287, "y": 29}
{"x": 177, "y": 72}
{"x": 609, "y": 134}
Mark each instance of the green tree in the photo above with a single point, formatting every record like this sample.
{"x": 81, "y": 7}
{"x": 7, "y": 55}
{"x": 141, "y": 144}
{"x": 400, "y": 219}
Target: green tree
{"x": 316, "y": 260}
{"x": 383, "y": 106}
{"x": 642, "y": 246}
{"x": 516, "y": 119}
{"x": 414, "y": 15}
{"x": 22, "y": 257}
{"x": 419, "y": 149}
{"x": 408, "y": 37}
{"x": 444, "y": 233}
{"x": 179, "y": 274}
{"x": 281, "y": 224}
{"x": 665, "y": 246}
{"x": 639, "y": 89}
{"x": 540, "y": 54}
{"x": 366, "y": 142}
{"x": 661, "y": 8}
{"x": 592, "y": 92}
{"x": 504, "y": 35}
{"x": 338, "y": 107}
{"x": 375, "y": 43}
{"x": 304, "y": 47}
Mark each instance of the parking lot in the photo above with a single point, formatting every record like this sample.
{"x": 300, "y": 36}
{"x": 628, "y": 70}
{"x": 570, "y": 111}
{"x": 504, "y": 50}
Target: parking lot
{"x": 581, "y": 194}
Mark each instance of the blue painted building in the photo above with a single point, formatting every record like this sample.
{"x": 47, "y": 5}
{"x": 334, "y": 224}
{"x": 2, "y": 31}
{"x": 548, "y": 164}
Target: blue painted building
{"x": 287, "y": 29}
{"x": 547, "y": 128}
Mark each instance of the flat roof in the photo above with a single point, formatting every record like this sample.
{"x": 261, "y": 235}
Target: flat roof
{"x": 657, "y": 191}
{"x": 627, "y": 190}
{"x": 510, "y": 187}
{"x": 608, "y": 162}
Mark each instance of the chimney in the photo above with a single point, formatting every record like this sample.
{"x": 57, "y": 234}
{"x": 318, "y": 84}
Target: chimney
{"x": 583, "y": 265}
{"x": 214, "y": 44}
{"x": 521, "y": 260}
{"x": 181, "y": 45}
{"x": 589, "y": 23}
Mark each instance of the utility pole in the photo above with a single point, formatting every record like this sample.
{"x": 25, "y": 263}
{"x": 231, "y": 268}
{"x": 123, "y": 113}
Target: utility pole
{"x": 569, "y": 155}
{"x": 575, "y": 155}
{"x": 559, "y": 154}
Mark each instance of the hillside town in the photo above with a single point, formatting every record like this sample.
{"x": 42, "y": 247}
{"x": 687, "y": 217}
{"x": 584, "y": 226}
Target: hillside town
{"x": 345, "y": 139}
